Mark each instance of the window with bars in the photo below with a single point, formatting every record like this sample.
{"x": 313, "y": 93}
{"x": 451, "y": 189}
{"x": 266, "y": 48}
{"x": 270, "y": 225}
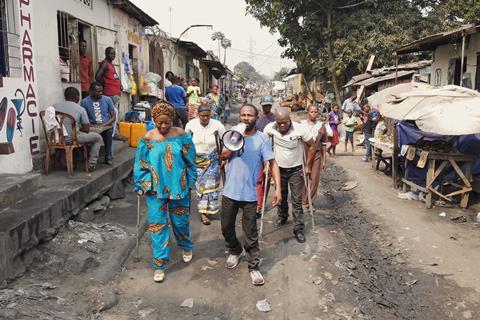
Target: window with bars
{"x": 68, "y": 47}
{"x": 10, "y": 57}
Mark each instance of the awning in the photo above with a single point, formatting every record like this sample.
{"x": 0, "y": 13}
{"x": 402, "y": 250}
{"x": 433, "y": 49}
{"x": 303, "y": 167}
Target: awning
{"x": 216, "y": 68}
{"x": 432, "y": 42}
{"x": 450, "y": 110}
{"x": 377, "y": 100}
{"x": 135, "y": 12}
{"x": 193, "y": 49}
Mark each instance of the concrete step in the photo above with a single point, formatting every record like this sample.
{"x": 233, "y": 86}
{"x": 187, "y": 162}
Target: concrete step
{"x": 14, "y": 188}
{"x": 26, "y": 223}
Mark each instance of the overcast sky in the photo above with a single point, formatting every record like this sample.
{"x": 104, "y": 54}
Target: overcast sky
{"x": 227, "y": 16}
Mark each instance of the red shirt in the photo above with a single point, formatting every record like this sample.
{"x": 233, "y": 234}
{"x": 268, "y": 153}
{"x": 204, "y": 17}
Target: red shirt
{"x": 86, "y": 72}
{"x": 111, "y": 81}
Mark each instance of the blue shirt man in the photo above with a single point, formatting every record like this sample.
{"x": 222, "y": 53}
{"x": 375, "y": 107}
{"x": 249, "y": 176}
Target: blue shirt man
{"x": 240, "y": 193}
{"x": 98, "y": 111}
{"x": 243, "y": 170}
{"x": 176, "y": 95}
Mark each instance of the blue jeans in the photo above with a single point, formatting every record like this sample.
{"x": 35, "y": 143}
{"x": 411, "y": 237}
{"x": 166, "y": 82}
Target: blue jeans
{"x": 368, "y": 152}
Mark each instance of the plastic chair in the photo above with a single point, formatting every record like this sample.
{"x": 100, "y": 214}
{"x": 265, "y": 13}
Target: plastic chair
{"x": 60, "y": 143}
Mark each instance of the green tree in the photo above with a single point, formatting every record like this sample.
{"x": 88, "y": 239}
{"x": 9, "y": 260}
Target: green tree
{"x": 280, "y": 74}
{"x": 219, "y": 37}
{"x": 246, "y": 73}
{"x": 335, "y": 38}
{"x": 226, "y": 43}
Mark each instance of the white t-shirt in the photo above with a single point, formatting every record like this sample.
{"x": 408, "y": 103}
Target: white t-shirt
{"x": 312, "y": 127}
{"x": 289, "y": 147}
{"x": 204, "y": 137}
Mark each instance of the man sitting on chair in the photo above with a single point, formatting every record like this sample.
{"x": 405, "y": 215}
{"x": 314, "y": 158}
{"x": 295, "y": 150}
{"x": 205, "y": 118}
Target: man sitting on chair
{"x": 101, "y": 113}
{"x": 84, "y": 136}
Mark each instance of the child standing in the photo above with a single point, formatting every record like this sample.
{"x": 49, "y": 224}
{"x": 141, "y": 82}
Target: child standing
{"x": 349, "y": 121}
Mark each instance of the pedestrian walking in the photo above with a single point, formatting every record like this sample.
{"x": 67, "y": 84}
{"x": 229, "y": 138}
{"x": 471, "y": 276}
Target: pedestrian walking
{"x": 165, "y": 172}
{"x": 240, "y": 193}
{"x": 177, "y": 97}
{"x": 205, "y": 132}
{"x": 334, "y": 121}
{"x": 217, "y": 102}
{"x": 288, "y": 139}
{"x": 266, "y": 117}
{"x": 318, "y": 132}
{"x": 370, "y": 118}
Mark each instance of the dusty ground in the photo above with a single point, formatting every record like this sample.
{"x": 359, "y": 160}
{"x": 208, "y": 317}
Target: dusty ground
{"x": 370, "y": 256}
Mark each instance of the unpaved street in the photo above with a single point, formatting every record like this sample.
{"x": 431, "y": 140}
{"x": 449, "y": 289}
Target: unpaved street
{"x": 348, "y": 269}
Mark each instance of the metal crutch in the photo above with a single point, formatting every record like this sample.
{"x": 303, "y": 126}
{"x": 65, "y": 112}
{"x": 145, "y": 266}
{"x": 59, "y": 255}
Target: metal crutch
{"x": 307, "y": 185}
{"x": 137, "y": 257}
{"x": 265, "y": 195}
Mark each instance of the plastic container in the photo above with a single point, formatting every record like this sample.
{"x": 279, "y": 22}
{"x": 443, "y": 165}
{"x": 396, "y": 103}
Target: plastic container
{"x": 137, "y": 131}
{"x": 124, "y": 128}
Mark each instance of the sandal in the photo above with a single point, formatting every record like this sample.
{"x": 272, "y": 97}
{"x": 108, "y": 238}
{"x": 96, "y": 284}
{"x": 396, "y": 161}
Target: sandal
{"x": 187, "y": 256}
{"x": 204, "y": 219}
{"x": 158, "y": 275}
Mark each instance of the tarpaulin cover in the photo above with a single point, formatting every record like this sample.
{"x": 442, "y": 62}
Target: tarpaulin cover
{"x": 409, "y": 133}
{"x": 450, "y": 110}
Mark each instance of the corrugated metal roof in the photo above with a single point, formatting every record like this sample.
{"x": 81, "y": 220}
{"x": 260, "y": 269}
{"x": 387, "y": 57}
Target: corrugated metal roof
{"x": 135, "y": 12}
{"x": 430, "y": 43}
{"x": 372, "y": 81}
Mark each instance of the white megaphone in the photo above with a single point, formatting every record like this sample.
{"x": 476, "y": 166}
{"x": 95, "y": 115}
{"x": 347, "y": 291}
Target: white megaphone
{"x": 233, "y": 139}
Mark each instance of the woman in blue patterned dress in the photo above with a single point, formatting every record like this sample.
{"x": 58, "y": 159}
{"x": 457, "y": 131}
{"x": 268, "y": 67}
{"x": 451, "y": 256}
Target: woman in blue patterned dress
{"x": 165, "y": 172}
{"x": 217, "y": 102}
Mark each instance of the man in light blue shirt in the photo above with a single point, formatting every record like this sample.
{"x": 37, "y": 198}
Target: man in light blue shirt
{"x": 240, "y": 193}
{"x": 351, "y": 104}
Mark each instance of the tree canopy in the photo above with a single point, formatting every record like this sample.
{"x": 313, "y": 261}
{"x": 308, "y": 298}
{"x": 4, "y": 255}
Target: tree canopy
{"x": 246, "y": 73}
{"x": 335, "y": 38}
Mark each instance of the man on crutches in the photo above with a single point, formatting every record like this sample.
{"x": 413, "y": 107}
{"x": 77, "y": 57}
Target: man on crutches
{"x": 288, "y": 139}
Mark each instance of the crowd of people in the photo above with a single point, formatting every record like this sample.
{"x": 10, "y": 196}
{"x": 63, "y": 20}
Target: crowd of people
{"x": 172, "y": 161}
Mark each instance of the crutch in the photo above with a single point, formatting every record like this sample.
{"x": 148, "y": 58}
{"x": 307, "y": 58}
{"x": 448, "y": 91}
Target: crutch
{"x": 265, "y": 195}
{"x": 137, "y": 257}
{"x": 307, "y": 185}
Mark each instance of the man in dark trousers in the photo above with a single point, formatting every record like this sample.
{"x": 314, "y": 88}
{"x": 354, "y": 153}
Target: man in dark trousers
{"x": 289, "y": 138}
{"x": 240, "y": 193}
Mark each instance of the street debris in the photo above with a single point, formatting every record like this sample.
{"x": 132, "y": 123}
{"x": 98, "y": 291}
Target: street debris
{"x": 478, "y": 217}
{"x": 263, "y": 306}
{"x": 408, "y": 196}
{"x": 443, "y": 214}
{"x": 117, "y": 191}
{"x": 144, "y": 313}
{"x": 317, "y": 281}
{"x": 187, "y": 303}
{"x": 349, "y": 185}
{"x": 459, "y": 219}
{"x": 100, "y": 205}
{"x": 96, "y": 233}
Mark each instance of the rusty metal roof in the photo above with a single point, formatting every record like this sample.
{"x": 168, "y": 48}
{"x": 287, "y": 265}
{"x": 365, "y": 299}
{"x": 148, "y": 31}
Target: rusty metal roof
{"x": 135, "y": 12}
{"x": 430, "y": 43}
{"x": 192, "y": 48}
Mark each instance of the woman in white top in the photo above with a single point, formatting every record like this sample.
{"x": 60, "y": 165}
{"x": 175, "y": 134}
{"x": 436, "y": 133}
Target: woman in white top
{"x": 204, "y": 132}
{"x": 318, "y": 132}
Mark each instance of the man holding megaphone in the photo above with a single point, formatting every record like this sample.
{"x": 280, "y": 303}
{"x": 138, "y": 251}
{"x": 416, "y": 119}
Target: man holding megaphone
{"x": 246, "y": 150}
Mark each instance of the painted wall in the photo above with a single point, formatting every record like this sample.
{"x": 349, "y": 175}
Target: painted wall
{"x": 19, "y": 125}
{"x": 443, "y": 54}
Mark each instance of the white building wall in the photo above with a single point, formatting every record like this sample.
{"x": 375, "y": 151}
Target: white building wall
{"x": 443, "y": 54}
{"x": 19, "y": 129}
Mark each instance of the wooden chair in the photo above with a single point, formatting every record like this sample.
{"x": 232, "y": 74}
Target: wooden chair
{"x": 61, "y": 143}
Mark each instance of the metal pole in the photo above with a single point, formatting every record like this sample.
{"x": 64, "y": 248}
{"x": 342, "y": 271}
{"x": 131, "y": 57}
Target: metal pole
{"x": 265, "y": 195}
{"x": 307, "y": 185}
{"x": 137, "y": 257}
{"x": 462, "y": 59}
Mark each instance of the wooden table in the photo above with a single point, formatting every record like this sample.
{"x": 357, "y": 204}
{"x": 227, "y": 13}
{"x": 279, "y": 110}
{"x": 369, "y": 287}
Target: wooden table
{"x": 437, "y": 163}
{"x": 382, "y": 152}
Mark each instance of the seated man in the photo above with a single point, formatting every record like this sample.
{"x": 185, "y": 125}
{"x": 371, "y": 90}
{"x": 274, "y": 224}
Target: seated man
{"x": 84, "y": 136}
{"x": 101, "y": 113}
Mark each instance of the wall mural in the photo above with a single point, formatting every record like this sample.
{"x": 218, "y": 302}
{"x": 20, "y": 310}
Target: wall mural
{"x": 10, "y": 118}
